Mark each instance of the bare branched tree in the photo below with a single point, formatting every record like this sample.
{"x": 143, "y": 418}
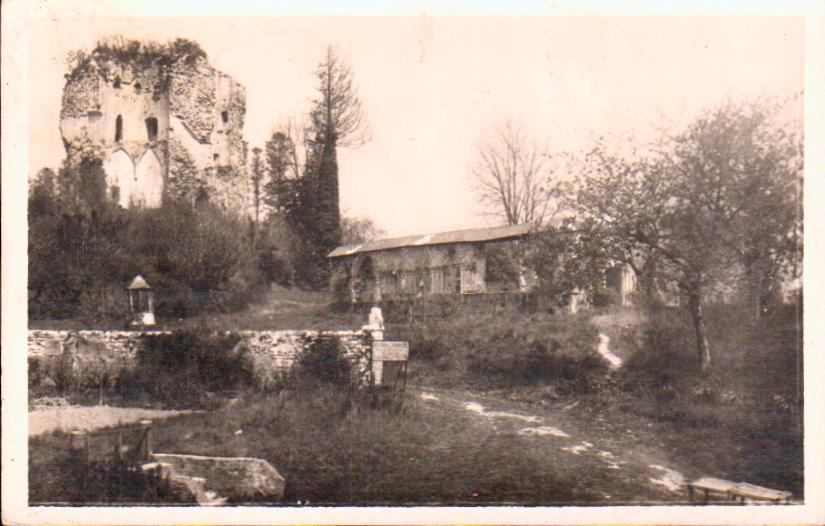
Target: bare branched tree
{"x": 512, "y": 176}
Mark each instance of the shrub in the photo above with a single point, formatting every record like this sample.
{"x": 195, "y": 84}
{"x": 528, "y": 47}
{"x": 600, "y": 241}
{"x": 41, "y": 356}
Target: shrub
{"x": 664, "y": 364}
{"x": 325, "y": 361}
{"x": 182, "y": 366}
{"x": 275, "y": 268}
{"x": 604, "y": 297}
{"x": 424, "y": 346}
{"x": 541, "y": 362}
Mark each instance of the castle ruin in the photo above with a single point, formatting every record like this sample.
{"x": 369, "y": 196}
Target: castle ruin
{"x": 164, "y": 123}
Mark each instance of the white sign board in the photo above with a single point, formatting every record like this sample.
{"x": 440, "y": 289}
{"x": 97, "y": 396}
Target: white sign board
{"x": 383, "y": 351}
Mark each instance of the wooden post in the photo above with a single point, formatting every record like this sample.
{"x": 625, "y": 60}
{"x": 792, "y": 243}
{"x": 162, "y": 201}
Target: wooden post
{"x": 147, "y": 439}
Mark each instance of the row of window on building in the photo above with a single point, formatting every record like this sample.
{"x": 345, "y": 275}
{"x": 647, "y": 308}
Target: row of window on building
{"x": 151, "y": 127}
{"x": 437, "y": 280}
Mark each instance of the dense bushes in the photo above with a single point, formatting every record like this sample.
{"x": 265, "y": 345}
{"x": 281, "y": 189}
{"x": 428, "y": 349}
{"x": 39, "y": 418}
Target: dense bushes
{"x": 541, "y": 362}
{"x": 747, "y": 353}
{"x": 325, "y": 361}
{"x": 660, "y": 363}
{"x": 84, "y": 250}
{"x": 180, "y": 368}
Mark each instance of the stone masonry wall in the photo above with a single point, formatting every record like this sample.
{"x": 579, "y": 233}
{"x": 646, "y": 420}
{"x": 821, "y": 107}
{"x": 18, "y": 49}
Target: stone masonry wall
{"x": 269, "y": 353}
{"x": 192, "y": 96}
{"x": 81, "y": 96}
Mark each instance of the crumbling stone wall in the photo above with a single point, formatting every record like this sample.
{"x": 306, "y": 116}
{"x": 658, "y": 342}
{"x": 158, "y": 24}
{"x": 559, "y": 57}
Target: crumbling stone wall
{"x": 192, "y": 96}
{"x": 81, "y": 95}
{"x": 185, "y": 180}
{"x": 109, "y": 99}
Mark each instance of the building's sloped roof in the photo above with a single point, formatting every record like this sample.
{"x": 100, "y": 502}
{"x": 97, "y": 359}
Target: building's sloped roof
{"x": 473, "y": 235}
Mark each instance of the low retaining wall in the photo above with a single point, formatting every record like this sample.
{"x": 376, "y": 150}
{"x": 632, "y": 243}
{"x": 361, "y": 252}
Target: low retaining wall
{"x": 269, "y": 353}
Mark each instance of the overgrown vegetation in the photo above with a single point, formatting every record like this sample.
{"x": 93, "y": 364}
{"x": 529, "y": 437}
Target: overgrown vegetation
{"x": 139, "y": 54}
{"x": 301, "y": 186}
{"x": 716, "y": 203}
{"x": 741, "y": 422}
{"x": 324, "y": 361}
{"x": 504, "y": 350}
{"x": 179, "y": 369}
{"x": 84, "y": 249}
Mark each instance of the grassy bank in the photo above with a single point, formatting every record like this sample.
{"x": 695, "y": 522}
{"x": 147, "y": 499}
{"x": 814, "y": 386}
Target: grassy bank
{"x": 506, "y": 349}
{"x": 331, "y": 454}
{"x": 741, "y": 421}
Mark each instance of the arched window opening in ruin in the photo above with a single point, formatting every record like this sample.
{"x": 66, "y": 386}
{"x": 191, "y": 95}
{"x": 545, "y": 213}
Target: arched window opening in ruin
{"x": 116, "y": 83}
{"x": 215, "y": 156}
{"x": 148, "y": 180}
{"x": 152, "y": 129}
{"x": 225, "y": 116}
{"x": 137, "y": 87}
{"x": 120, "y": 174}
{"x": 118, "y": 128}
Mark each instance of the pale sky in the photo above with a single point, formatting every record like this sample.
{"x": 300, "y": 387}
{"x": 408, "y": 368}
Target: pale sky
{"x": 431, "y": 87}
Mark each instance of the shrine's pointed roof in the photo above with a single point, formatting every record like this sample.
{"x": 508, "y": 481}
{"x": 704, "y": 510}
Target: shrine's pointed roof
{"x": 139, "y": 284}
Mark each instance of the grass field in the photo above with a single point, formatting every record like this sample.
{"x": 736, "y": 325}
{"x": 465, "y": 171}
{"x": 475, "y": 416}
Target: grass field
{"x": 330, "y": 455}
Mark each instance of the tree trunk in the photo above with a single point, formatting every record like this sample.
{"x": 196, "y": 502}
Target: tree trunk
{"x": 702, "y": 347}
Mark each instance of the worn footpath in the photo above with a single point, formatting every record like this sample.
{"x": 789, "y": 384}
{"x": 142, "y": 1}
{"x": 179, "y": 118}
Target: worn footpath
{"x": 614, "y": 466}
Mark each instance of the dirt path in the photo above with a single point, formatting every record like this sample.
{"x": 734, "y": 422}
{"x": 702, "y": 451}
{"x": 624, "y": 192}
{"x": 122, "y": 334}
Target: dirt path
{"x": 88, "y": 418}
{"x": 611, "y": 465}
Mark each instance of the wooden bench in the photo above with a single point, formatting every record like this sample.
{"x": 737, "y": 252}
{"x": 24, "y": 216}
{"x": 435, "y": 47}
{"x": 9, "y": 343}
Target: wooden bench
{"x": 736, "y": 492}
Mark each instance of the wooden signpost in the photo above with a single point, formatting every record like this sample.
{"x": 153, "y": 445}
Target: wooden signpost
{"x": 389, "y": 367}
{"x": 384, "y": 351}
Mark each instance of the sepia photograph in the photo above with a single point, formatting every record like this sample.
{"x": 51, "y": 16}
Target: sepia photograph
{"x": 415, "y": 261}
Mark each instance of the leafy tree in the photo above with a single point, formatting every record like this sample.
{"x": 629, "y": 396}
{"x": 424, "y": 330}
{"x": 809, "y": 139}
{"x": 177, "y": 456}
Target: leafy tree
{"x": 43, "y": 193}
{"x": 256, "y": 176}
{"x": 336, "y": 120}
{"x": 290, "y": 192}
{"x": 302, "y": 168}
{"x": 283, "y": 172}
{"x": 686, "y": 212}
{"x": 359, "y": 230}
{"x": 565, "y": 261}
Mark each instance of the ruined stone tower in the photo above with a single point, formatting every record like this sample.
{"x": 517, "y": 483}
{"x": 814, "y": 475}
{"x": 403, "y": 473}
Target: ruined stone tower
{"x": 164, "y": 122}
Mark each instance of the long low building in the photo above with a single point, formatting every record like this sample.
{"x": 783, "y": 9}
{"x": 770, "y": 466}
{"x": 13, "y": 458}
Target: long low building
{"x": 445, "y": 263}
